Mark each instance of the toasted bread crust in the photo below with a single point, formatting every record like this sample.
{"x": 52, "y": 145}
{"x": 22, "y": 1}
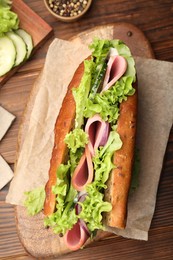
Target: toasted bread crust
{"x": 64, "y": 124}
{"x": 119, "y": 180}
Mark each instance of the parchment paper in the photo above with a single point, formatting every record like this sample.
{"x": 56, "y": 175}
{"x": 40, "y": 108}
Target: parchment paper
{"x": 155, "y": 118}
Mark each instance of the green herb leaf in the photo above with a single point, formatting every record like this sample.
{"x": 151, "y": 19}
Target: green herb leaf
{"x": 5, "y": 3}
{"x": 81, "y": 93}
{"x": 103, "y": 158}
{"x": 8, "y": 19}
{"x": 93, "y": 207}
{"x": 107, "y": 103}
{"x": 100, "y": 49}
{"x": 61, "y": 221}
{"x": 34, "y": 200}
{"x": 76, "y": 139}
{"x": 64, "y": 217}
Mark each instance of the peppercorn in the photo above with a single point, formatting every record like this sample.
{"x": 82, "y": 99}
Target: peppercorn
{"x": 68, "y": 8}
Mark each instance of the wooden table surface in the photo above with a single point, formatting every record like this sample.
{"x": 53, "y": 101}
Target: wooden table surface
{"x": 155, "y": 19}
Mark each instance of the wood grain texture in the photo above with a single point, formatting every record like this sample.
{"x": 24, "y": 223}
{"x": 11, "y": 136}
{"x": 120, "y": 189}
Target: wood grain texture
{"x": 129, "y": 33}
{"x": 34, "y": 25}
{"x": 155, "y": 19}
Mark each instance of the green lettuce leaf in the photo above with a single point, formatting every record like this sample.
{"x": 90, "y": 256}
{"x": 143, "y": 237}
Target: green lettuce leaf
{"x": 107, "y": 103}
{"x": 103, "y": 158}
{"x": 81, "y": 93}
{"x": 76, "y": 139}
{"x": 61, "y": 221}
{"x": 62, "y": 180}
{"x": 93, "y": 207}
{"x": 5, "y": 3}
{"x": 64, "y": 217}
{"x": 74, "y": 158}
{"x": 34, "y": 200}
{"x": 71, "y": 195}
{"x": 94, "y": 204}
{"x": 8, "y": 19}
{"x": 100, "y": 49}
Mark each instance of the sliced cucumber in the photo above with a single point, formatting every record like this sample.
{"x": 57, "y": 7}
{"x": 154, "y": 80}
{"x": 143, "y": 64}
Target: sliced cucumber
{"x": 20, "y": 46}
{"x": 7, "y": 55}
{"x": 27, "y": 39}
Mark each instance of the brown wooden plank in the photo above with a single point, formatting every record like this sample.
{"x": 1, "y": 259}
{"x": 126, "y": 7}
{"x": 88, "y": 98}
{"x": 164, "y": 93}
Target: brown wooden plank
{"x": 129, "y": 33}
{"x": 34, "y": 25}
{"x": 9, "y": 242}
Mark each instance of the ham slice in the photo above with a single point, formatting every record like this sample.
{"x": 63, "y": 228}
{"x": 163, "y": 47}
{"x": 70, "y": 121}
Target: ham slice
{"x": 111, "y": 57}
{"x": 77, "y": 236}
{"x": 117, "y": 66}
{"x": 83, "y": 173}
{"x": 98, "y": 132}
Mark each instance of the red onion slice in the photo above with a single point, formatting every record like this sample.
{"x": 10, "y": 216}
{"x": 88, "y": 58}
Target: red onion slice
{"x": 78, "y": 206}
{"x": 84, "y": 226}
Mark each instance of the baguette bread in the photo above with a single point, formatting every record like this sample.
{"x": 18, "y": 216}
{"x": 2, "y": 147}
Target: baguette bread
{"x": 118, "y": 184}
{"x": 113, "y": 193}
{"x": 64, "y": 123}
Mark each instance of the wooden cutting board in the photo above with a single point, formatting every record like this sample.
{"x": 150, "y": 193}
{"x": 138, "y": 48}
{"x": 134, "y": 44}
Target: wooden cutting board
{"x": 38, "y": 241}
{"x": 34, "y": 25}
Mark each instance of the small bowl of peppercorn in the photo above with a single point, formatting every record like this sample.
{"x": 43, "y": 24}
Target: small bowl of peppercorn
{"x": 67, "y": 10}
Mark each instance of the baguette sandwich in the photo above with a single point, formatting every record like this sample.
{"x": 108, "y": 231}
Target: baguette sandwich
{"x": 93, "y": 154}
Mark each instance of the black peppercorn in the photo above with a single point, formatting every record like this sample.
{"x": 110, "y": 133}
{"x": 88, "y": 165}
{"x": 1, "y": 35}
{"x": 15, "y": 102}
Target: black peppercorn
{"x": 68, "y": 8}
